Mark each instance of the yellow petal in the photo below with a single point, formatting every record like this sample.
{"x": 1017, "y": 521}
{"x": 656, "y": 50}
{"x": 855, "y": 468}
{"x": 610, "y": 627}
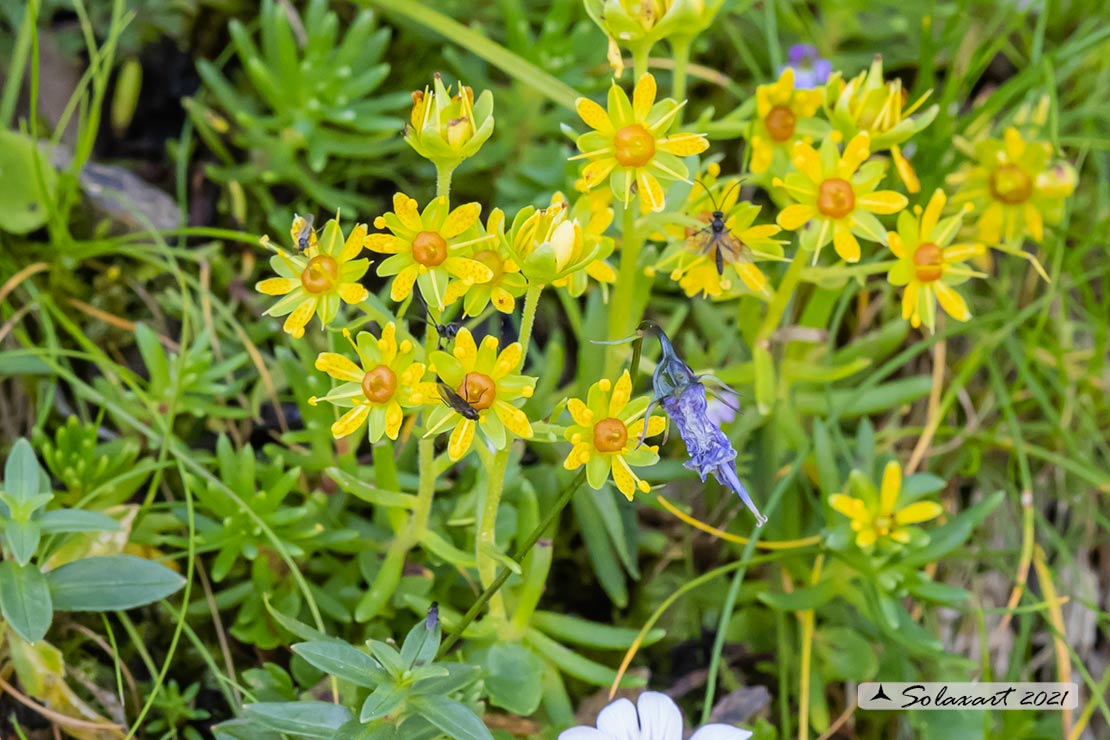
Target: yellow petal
{"x": 952, "y": 302}
{"x": 460, "y": 219}
{"x": 393, "y": 418}
{"x": 643, "y": 97}
{"x": 894, "y": 241}
{"x": 883, "y": 201}
{"x": 857, "y": 150}
{"x": 350, "y": 421}
{"x": 683, "y": 145}
{"x": 808, "y": 162}
{"x": 866, "y": 537}
{"x": 465, "y": 348}
{"x": 402, "y": 283}
{"x": 846, "y": 244}
{"x": 1034, "y": 222}
{"x": 352, "y": 293}
{"x": 752, "y": 276}
{"x": 461, "y": 439}
{"x": 651, "y": 192}
{"x": 622, "y": 391}
{"x": 296, "y": 321}
{"x": 596, "y": 172}
{"x": 513, "y": 418}
{"x": 353, "y": 245}
{"x": 623, "y": 477}
{"x": 795, "y": 216}
{"x": 922, "y": 511}
{"x": 580, "y": 412}
{"x": 277, "y": 286}
{"x": 508, "y": 361}
{"x": 655, "y": 425}
{"x": 408, "y": 211}
{"x": 909, "y": 303}
{"x": 891, "y": 486}
{"x": 905, "y": 170}
{"x": 852, "y": 508}
{"x": 594, "y": 115}
{"x": 932, "y": 214}
{"x": 1015, "y": 145}
{"x": 386, "y": 244}
{"x": 339, "y": 367}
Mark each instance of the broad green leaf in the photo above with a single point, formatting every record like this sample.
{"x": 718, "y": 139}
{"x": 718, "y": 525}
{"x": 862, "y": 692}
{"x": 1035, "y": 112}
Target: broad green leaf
{"x": 381, "y": 702}
{"x": 845, "y": 655}
{"x": 513, "y": 678}
{"x": 22, "y": 476}
{"x": 110, "y": 583}
{"x": 939, "y": 593}
{"x": 456, "y": 677}
{"x": 453, "y": 718}
{"x": 304, "y": 718}
{"x": 421, "y": 643}
{"x": 23, "y": 539}
{"x": 342, "y": 661}
{"x": 76, "y": 520}
{"x": 388, "y": 657}
{"x": 583, "y": 632}
{"x": 800, "y": 599}
{"x": 22, "y": 205}
{"x": 25, "y": 600}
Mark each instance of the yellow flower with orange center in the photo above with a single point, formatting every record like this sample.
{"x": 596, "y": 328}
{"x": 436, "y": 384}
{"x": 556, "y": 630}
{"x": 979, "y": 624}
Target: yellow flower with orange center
{"x": 837, "y": 196}
{"x": 551, "y": 245}
{"x": 692, "y": 256}
{"x": 783, "y": 116}
{"x": 504, "y": 287}
{"x": 428, "y": 248}
{"x": 377, "y": 389}
{"x": 1015, "y": 188}
{"x": 629, "y": 146}
{"x": 929, "y": 264}
{"x": 606, "y": 435}
{"x": 313, "y": 282}
{"x": 486, "y": 382}
{"x": 881, "y": 516}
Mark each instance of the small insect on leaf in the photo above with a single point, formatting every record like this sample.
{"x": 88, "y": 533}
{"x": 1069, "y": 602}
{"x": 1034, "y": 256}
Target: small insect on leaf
{"x": 457, "y": 402}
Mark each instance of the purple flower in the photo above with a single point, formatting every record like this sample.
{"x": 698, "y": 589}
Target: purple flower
{"x": 810, "y": 69}
{"x": 682, "y": 395}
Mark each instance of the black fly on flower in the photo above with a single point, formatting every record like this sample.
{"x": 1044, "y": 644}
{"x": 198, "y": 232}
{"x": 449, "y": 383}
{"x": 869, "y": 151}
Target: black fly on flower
{"x": 682, "y": 394}
{"x": 304, "y": 236}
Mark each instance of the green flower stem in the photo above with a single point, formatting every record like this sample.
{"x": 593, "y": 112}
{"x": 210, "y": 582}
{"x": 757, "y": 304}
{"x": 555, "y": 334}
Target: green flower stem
{"x": 531, "y": 303}
{"x": 486, "y": 541}
{"x": 443, "y": 180}
{"x": 525, "y": 548}
{"x": 640, "y": 54}
{"x": 782, "y": 296}
{"x": 815, "y": 274}
{"x": 623, "y": 317}
{"x": 680, "y": 52}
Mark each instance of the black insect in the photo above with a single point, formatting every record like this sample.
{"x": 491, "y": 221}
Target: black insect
{"x": 446, "y": 332}
{"x": 456, "y": 402}
{"x": 306, "y": 235}
{"x": 716, "y": 239}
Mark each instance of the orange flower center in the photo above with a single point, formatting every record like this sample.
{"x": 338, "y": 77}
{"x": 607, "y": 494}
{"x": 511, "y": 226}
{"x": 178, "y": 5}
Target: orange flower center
{"x": 320, "y": 273}
{"x": 429, "y": 248}
{"x": 780, "y": 123}
{"x": 1010, "y": 184}
{"x": 492, "y": 260}
{"x": 478, "y": 389}
{"x": 379, "y": 384}
{"x": 610, "y": 435}
{"x": 928, "y": 262}
{"x": 835, "y": 198}
{"x": 634, "y": 146}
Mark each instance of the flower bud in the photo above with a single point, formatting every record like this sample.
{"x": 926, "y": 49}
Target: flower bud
{"x": 446, "y": 128}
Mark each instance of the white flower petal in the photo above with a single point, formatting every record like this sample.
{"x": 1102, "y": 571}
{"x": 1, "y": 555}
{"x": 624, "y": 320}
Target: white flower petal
{"x": 619, "y": 722}
{"x": 660, "y": 718}
{"x": 582, "y": 733}
{"x": 721, "y": 732}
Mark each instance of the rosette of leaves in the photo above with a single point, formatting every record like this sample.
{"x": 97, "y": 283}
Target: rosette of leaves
{"x": 95, "y": 474}
{"x": 303, "y": 110}
{"x": 252, "y": 523}
{"x": 385, "y": 693}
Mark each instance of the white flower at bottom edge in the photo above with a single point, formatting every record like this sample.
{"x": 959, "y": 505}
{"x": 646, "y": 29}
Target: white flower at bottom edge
{"x": 653, "y": 717}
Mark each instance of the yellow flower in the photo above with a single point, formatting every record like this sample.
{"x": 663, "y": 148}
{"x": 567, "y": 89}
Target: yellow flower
{"x": 485, "y": 381}
{"x": 317, "y": 279}
{"x": 447, "y": 129}
{"x": 840, "y": 200}
{"x": 929, "y": 264}
{"x": 629, "y": 145}
{"x": 879, "y": 517}
{"x": 1015, "y": 188}
{"x": 870, "y": 103}
{"x": 506, "y": 284}
{"x": 378, "y": 389}
{"x": 639, "y": 24}
{"x": 594, "y": 215}
{"x": 783, "y": 115}
{"x": 692, "y": 256}
{"x": 552, "y": 244}
{"x": 606, "y": 435}
{"x": 428, "y": 248}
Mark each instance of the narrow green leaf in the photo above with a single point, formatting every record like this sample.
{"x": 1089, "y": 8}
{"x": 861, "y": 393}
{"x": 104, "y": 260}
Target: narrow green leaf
{"x": 513, "y": 676}
{"x": 110, "y": 582}
{"x": 370, "y": 493}
{"x": 577, "y": 631}
{"x": 25, "y": 600}
{"x": 76, "y": 520}
{"x": 304, "y": 718}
